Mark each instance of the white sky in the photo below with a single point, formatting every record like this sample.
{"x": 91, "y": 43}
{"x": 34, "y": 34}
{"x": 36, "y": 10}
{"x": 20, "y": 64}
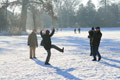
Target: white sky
{"x": 84, "y": 2}
{"x": 94, "y": 1}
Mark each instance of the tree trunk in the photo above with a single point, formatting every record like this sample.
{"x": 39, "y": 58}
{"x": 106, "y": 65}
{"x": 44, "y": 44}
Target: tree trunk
{"x": 34, "y": 21}
{"x": 34, "y": 12}
{"x": 24, "y": 15}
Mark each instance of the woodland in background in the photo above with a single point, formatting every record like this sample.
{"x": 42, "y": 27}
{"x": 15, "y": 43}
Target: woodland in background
{"x": 58, "y": 13}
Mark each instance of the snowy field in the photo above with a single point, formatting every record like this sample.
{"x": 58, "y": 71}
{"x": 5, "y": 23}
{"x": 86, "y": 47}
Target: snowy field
{"x": 74, "y": 64}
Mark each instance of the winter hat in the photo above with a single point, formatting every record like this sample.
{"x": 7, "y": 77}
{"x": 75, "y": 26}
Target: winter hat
{"x": 97, "y": 27}
{"x": 34, "y": 30}
{"x": 47, "y": 31}
{"x": 92, "y": 28}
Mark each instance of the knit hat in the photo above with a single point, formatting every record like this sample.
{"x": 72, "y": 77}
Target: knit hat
{"x": 47, "y": 31}
{"x": 92, "y": 28}
{"x": 97, "y": 27}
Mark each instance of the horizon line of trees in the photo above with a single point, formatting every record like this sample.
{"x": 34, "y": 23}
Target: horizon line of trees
{"x": 107, "y": 15}
{"x": 60, "y": 13}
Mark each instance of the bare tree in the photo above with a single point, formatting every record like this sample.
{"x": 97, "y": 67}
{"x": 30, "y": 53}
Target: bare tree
{"x": 3, "y": 12}
{"x": 65, "y": 10}
{"x": 45, "y": 4}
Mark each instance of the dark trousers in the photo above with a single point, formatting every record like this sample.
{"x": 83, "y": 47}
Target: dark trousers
{"x": 49, "y": 52}
{"x": 96, "y": 52}
{"x": 91, "y": 50}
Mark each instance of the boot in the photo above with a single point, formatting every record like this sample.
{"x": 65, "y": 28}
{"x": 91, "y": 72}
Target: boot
{"x": 63, "y": 50}
{"x": 94, "y": 60}
{"x": 99, "y": 59}
{"x": 47, "y": 63}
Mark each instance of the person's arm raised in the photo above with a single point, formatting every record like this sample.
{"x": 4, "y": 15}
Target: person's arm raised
{"x": 41, "y": 32}
{"x": 53, "y": 31}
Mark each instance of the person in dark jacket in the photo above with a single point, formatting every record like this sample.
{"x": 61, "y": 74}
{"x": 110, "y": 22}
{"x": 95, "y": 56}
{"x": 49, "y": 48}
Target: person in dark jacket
{"x": 79, "y": 30}
{"x": 96, "y": 42}
{"x": 75, "y": 30}
{"x": 46, "y": 43}
{"x": 90, "y": 36}
{"x": 32, "y": 43}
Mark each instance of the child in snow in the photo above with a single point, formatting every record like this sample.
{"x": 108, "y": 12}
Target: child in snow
{"x": 46, "y": 43}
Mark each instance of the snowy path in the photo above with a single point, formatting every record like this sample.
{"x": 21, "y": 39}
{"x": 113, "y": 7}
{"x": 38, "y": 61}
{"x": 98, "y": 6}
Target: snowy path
{"x": 74, "y": 64}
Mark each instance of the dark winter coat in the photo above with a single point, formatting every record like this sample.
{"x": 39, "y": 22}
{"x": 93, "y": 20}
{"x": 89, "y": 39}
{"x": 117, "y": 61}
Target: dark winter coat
{"x": 32, "y": 40}
{"x": 46, "y": 40}
{"x": 96, "y": 38}
{"x": 91, "y": 33}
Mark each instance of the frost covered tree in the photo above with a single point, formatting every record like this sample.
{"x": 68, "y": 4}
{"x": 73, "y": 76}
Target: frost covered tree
{"x": 25, "y": 5}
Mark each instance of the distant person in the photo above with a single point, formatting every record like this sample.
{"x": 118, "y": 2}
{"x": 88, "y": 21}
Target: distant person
{"x": 78, "y": 30}
{"x": 32, "y": 43}
{"x": 57, "y": 29}
{"x": 90, "y": 36}
{"x": 96, "y": 42}
{"x": 46, "y": 42}
{"x": 61, "y": 29}
{"x": 75, "y": 30}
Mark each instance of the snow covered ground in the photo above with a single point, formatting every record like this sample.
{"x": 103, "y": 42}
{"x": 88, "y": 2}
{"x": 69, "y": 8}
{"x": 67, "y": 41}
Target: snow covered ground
{"x": 74, "y": 64}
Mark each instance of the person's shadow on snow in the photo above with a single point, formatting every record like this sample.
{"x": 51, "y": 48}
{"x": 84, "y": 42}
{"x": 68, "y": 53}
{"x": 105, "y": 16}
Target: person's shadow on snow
{"x": 109, "y": 64}
{"x": 59, "y": 71}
